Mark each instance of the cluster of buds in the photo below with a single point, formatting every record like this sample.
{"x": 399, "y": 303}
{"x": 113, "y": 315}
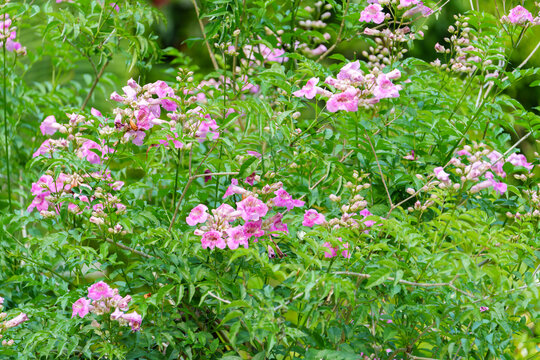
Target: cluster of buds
{"x": 353, "y": 88}
{"x": 102, "y": 300}
{"x": 534, "y": 206}
{"x": 390, "y": 45}
{"x": 466, "y": 55}
{"x": 8, "y": 324}
{"x": 354, "y": 206}
{"x": 8, "y": 33}
{"x": 473, "y": 169}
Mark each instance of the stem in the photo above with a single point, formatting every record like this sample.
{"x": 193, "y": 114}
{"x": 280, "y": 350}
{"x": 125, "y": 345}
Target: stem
{"x": 176, "y": 178}
{"x": 98, "y": 77}
{"x": 6, "y": 132}
{"x": 212, "y": 56}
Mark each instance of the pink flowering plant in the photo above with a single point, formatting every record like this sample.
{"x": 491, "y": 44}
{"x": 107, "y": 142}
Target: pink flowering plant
{"x": 287, "y": 180}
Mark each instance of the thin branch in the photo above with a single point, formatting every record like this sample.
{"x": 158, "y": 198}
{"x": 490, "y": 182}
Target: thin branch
{"x": 216, "y": 174}
{"x": 96, "y": 80}
{"x": 201, "y": 25}
{"x": 145, "y": 255}
{"x": 217, "y": 297}
{"x": 410, "y": 283}
{"x": 340, "y": 32}
{"x": 380, "y": 170}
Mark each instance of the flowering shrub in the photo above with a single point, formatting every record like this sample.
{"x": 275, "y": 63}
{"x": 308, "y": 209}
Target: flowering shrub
{"x": 308, "y": 184}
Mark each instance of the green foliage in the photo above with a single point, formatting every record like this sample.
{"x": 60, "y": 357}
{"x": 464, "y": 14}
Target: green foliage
{"x": 437, "y": 268}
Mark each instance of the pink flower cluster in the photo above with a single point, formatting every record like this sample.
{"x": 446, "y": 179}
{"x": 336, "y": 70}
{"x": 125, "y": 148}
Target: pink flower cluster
{"x": 8, "y": 33}
{"x": 477, "y": 168}
{"x": 142, "y": 112}
{"x": 374, "y": 12}
{"x": 101, "y": 300}
{"x": 333, "y": 250}
{"x": 218, "y": 229}
{"x": 75, "y": 190}
{"x": 82, "y": 146}
{"x": 353, "y": 88}
{"x": 8, "y": 324}
{"x": 520, "y": 16}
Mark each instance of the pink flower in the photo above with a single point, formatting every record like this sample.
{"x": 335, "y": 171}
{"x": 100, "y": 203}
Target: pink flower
{"x": 499, "y": 187}
{"x": 212, "y": 239}
{"x": 253, "y": 228}
{"x": 520, "y": 160}
{"x": 309, "y": 90}
{"x": 518, "y": 15}
{"x": 351, "y": 72}
{"x": 385, "y": 88}
{"x": 236, "y": 237}
{"x": 483, "y": 308}
{"x": 333, "y": 250}
{"x": 86, "y": 152}
{"x": 49, "y": 126}
{"x": 346, "y": 100}
{"x": 373, "y": 13}
{"x": 441, "y": 174}
{"x": 283, "y": 199}
{"x": 134, "y": 320}
{"x": 16, "y": 321}
{"x": 233, "y": 189}
{"x": 81, "y": 307}
{"x": 45, "y": 148}
{"x": 100, "y": 290}
{"x": 198, "y": 215}
{"x": 312, "y": 217}
{"x": 407, "y": 3}
{"x": 252, "y": 209}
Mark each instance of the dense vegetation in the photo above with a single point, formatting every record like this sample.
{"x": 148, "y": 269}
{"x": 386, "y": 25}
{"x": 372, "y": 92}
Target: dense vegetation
{"x": 318, "y": 193}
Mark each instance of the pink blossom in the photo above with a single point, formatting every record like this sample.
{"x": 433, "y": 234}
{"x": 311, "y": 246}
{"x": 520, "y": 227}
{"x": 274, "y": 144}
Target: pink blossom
{"x": 206, "y": 127}
{"x": 385, "y": 88}
{"x": 236, "y": 237}
{"x": 253, "y": 228}
{"x": 309, "y": 90}
{"x": 333, "y": 250}
{"x": 441, "y": 174}
{"x": 351, "y": 72}
{"x": 252, "y": 209}
{"x": 254, "y": 153}
{"x": 373, "y": 13}
{"x": 312, "y": 217}
{"x": 45, "y": 148}
{"x": 519, "y": 16}
{"x": 283, "y": 199}
{"x": 407, "y": 3}
{"x": 233, "y": 189}
{"x": 519, "y": 160}
{"x": 134, "y": 320}
{"x": 499, "y": 187}
{"x": 49, "y": 126}
{"x": 86, "y": 151}
{"x": 81, "y": 307}
{"x": 100, "y": 290}
{"x": 483, "y": 308}
{"x": 16, "y": 321}
{"x": 212, "y": 239}
{"x": 346, "y": 100}
{"x": 198, "y": 215}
